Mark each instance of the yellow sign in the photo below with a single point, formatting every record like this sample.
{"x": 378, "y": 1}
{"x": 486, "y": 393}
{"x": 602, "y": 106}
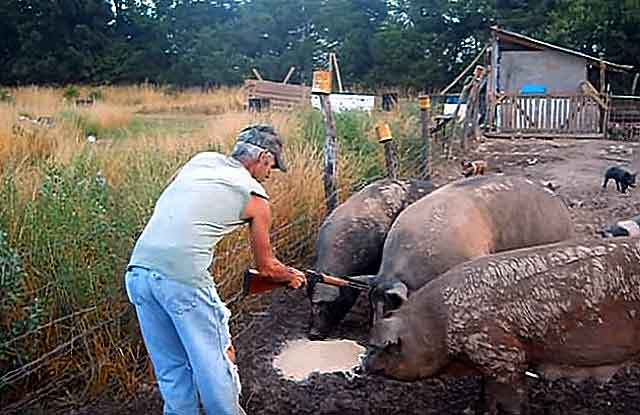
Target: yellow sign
{"x": 425, "y": 102}
{"x": 321, "y": 82}
{"x": 384, "y": 132}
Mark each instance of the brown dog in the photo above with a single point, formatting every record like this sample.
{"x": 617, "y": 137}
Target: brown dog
{"x": 473, "y": 168}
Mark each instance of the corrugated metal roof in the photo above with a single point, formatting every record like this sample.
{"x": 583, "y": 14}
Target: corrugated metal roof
{"x": 529, "y": 41}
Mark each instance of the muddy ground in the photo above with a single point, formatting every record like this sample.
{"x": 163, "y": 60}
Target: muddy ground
{"x": 576, "y": 169}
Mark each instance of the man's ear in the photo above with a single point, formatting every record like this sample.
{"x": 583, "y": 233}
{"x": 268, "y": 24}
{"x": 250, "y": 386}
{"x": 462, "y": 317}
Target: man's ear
{"x": 267, "y": 159}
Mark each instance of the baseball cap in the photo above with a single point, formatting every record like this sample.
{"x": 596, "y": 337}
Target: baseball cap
{"x": 264, "y": 136}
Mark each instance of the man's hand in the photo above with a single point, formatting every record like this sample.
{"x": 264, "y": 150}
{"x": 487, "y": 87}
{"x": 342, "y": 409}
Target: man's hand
{"x": 278, "y": 272}
{"x": 298, "y": 279}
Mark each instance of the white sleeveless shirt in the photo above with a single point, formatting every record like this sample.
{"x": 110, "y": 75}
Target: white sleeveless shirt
{"x": 203, "y": 203}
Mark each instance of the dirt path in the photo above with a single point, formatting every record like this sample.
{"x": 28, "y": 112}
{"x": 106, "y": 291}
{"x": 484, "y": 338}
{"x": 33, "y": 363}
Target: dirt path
{"x": 577, "y": 169}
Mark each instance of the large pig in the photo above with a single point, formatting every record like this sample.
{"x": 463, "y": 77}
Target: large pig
{"x": 564, "y": 310}
{"x": 350, "y": 243}
{"x": 461, "y": 221}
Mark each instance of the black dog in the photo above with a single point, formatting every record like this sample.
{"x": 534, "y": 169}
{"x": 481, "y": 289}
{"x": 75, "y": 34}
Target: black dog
{"x": 623, "y": 178}
{"x": 629, "y": 227}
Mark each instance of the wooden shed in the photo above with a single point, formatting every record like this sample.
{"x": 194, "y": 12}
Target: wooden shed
{"x": 539, "y": 89}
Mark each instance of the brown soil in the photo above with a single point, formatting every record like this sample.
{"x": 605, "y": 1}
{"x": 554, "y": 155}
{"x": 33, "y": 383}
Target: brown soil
{"x": 576, "y": 168}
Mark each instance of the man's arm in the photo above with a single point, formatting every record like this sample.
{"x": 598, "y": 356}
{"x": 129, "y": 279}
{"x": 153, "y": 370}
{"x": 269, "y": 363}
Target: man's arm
{"x": 258, "y": 211}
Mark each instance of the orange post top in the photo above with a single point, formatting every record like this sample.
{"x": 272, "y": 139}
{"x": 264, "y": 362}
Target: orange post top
{"x": 384, "y": 132}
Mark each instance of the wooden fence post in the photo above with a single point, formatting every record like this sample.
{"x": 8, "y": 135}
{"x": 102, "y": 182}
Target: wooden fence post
{"x": 471, "y": 114}
{"x": 425, "y": 109}
{"x": 454, "y": 126}
{"x": 386, "y": 139}
{"x": 322, "y": 88}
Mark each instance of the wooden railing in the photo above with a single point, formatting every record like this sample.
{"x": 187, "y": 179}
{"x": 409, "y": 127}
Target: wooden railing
{"x": 553, "y": 114}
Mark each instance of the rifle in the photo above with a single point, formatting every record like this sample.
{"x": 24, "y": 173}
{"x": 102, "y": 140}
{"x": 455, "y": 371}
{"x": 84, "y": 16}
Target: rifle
{"x": 254, "y": 283}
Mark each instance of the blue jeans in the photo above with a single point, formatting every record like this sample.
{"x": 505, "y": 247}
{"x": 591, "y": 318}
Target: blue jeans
{"x": 186, "y": 332}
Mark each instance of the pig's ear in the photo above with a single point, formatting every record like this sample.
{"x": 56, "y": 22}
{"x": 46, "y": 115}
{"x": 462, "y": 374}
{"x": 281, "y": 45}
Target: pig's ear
{"x": 399, "y": 293}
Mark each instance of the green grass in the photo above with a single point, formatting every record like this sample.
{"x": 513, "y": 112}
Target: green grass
{"x": 138, "y": 126}
{"x": 353, "y": 131}
{"x": 145, "y": 125}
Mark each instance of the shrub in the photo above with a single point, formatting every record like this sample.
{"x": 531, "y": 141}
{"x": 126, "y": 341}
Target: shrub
{"x": 5, "y": 96}
{"x": 71, "y": 92}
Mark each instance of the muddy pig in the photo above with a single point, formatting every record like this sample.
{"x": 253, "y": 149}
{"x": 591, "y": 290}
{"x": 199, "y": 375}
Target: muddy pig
{"x": 566, "y": 310}
{"x": 630, "y": 227}
{"x": 350, "y": 243}
{"x": 460, "y": 221}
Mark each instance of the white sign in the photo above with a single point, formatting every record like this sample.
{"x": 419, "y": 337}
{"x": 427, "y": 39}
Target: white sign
{"x": 449, "y": 109}
{"x": 346, "y": 102}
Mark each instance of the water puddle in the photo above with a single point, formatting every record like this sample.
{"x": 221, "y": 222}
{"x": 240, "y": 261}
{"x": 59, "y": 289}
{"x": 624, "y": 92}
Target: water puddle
{"x": 300, "y": 358}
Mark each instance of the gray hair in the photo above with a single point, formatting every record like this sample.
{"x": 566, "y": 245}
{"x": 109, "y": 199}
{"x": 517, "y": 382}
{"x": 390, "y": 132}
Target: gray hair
{"x": 246, "y": 152}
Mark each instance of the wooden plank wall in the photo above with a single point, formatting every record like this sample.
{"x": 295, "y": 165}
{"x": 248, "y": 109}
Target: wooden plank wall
{"x": 624, "y": 118}
{"x": 552, "y": 114}
{"x": 282, "y": 97}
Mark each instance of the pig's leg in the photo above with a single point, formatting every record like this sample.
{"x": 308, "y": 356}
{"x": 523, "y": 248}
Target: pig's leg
{"x": 501, "y": 359}
{"x": 506, "y": 398}
{"x": 487, "y": 403}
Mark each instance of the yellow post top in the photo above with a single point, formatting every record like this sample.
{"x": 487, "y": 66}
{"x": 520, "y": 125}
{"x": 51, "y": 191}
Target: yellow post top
{"x": 321, "y": 82}
{"x": 425, "y": 102}
{"x": 384, "y": 132}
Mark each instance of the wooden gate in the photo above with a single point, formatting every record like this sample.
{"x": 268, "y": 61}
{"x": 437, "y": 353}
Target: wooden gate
{"x": 549, "y": 115}
{"x": 624, "y": 118}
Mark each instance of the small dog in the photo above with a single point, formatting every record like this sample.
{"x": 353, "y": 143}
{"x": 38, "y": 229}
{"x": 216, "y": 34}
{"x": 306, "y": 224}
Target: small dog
{"x": 473, "y": 168}
{"x": 623, "y": 178}
{"x": 629, "y": 227}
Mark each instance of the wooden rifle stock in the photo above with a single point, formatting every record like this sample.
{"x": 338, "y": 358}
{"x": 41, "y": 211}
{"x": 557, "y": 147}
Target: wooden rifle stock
{"x": 254, "y": 283}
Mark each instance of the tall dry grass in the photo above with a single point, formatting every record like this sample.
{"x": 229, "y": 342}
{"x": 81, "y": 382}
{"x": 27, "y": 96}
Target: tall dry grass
{"x": 38, "y": 101}
{"x": 22, "y": 141}
{"x": 105, "y": 115}
{"x": 151, "y": 99}
{"x": 25, "y": 143}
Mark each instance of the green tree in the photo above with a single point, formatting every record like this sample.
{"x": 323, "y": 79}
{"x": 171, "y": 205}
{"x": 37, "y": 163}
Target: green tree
{"x": 348, "y": 28}
{"x": 273, "y": 41}
{"x": 58, "y": 41}
{"x": 602, "y": 28}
